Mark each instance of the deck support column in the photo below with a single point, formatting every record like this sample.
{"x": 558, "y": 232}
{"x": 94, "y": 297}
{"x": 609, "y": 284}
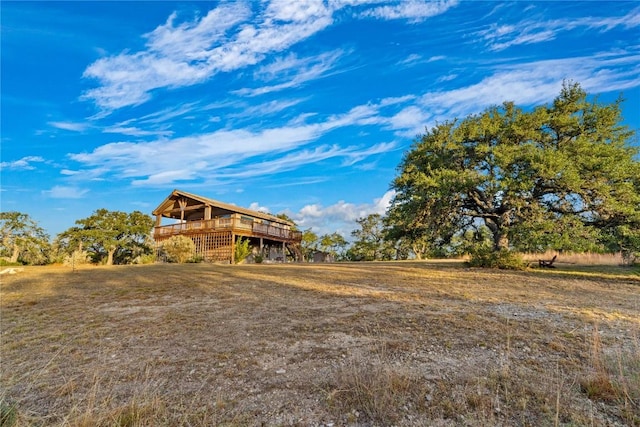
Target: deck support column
{"x": 183, "y": 205}
{"x": 233, "y": 248}
{"x": 284, "y": 252}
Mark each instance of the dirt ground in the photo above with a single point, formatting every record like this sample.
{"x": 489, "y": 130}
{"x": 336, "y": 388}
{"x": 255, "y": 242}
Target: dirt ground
{"x": 363, "y": 344}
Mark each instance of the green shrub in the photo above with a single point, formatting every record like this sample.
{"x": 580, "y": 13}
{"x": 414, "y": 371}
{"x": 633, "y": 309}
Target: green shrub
{"x": 179, "y": 249}
{"x": 242, "y": 250}
{"x": 503, "y": 259}
{"x": 147, "y": 258}
{"x": 77, "y": 258}
{"x": 631, "y": 258}
{"x": 195, "y": 259}
{"x": 258, "y": 259}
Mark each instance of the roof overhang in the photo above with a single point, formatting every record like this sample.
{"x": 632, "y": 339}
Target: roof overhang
{"x": 168, "y": 207}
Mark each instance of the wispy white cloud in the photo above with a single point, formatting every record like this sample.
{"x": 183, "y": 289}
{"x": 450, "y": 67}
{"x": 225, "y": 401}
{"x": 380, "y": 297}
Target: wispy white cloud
{"x": 167, "y": 114}
{"x": 538, "y": 82}
{"x": 221, "y": 152}
{"x": 158, "y": 123}
{"x": 266, "y": 109}
{"x": 523, "y": 83}
{"x": 447, "y": 78}
{"x": 68, "y": 172}
{"x": 183, "y": 54}
{"x": 411, "y": 118}
{"x": 231, "y": 37}
{"x": 299, "y": 182}
{"x": 292, "y": 72}
{"x": 134, "y": 131}
{"x": 414, "y": 10}
{"x": 178, "y": 54}
{"x": 499, "y": 37}
{"x": 296, "y": 159}
{"x": 70, "y": 126}
{"x": 65, "y": 192}
{"x": 411, "y": 60}
{"x": 25, "y": 163}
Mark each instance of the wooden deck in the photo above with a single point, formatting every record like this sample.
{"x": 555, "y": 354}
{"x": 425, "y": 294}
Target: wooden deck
{"x": 239, "y": 226}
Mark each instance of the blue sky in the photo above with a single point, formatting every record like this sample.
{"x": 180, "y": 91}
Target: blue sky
{"x": 303, "y": 107}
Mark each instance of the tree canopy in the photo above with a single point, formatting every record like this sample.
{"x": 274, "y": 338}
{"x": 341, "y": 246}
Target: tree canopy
{"x": 334, "y": 244}
{"x": 111, "y": 236}
{"x": 560, "y": 176}
{"x": 22, "y": 240}
{"x": 371, "y": 243}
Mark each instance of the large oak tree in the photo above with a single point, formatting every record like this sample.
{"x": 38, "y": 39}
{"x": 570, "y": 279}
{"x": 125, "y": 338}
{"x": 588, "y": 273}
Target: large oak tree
{"x": 561, "y": 176}
{"x": 110, "y": 236}
{"x": 22, "y": 239}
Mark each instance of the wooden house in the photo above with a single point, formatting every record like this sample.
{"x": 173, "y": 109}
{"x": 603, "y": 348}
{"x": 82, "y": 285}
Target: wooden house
{"x": 215, "y": 228}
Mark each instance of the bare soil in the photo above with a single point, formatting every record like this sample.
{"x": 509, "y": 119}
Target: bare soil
{"x": 363, "y": 344}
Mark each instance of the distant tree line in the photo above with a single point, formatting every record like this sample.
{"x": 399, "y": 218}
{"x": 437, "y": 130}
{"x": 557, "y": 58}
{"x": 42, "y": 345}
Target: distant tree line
{"x": 105, "y": 237}
{"x": 563, "y": 176}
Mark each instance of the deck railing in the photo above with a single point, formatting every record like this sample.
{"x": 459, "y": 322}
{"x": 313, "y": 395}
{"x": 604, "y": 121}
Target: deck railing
{"x": 240, "y": 225}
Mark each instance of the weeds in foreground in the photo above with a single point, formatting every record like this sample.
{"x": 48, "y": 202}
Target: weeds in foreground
{"x": 8, "y": 413}
{"x": 374, "y": 390}
{"x": 615, "y": 378}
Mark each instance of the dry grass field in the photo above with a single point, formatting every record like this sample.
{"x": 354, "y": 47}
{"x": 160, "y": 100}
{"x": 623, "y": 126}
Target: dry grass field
{"x": 400, "y": 343}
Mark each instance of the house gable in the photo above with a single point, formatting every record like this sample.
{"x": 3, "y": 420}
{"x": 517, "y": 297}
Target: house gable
{"x": 192, "y": 207}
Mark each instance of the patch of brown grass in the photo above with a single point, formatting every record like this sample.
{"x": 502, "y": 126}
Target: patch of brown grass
{"x": 373, "y": 391}
{"x": 588, "y": 258}
{"x": 403, "y": 343}
{"x": 614, "y": 378}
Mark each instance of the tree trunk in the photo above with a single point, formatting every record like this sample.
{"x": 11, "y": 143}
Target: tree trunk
{"x": 499, "y": 232}
{"x": 417, "y": 252}
{"x": 110, "y": 256}
{"x": 500, "y": 240}
{"x": 15, "y": 254}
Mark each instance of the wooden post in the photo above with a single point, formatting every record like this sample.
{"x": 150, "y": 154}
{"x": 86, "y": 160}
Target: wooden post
{"x": 158, "y": 220}
{"x": 233, "y": 248}
{"x": 284, "y": 252}
{"x": 183, "y": 205}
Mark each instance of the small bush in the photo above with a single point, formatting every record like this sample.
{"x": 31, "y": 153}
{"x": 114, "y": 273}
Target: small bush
{"x": 147, "y": 258}
{"x": 179, "y": 249}
{"x": 599, "y": 387}
{"x": 258, "y": 259}
{"x": 242, "y": 250}
{"x": 195, "y": 259}
{"x": 77, "y": 258}
{"x": 631, "y": 258}
{"x": 502, "y": 259}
